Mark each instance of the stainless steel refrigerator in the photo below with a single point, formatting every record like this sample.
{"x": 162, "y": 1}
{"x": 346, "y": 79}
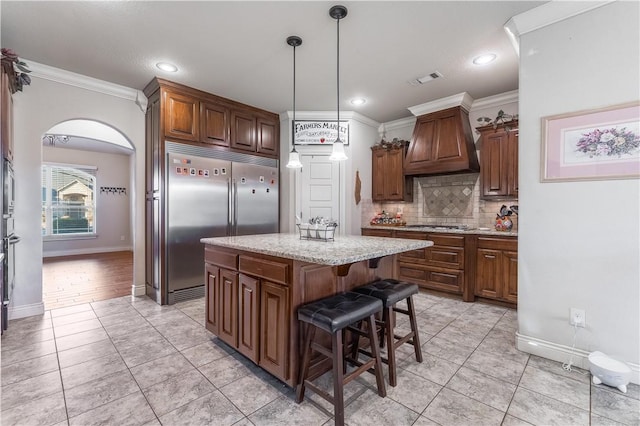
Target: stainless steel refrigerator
{"x": 213, "y": 194}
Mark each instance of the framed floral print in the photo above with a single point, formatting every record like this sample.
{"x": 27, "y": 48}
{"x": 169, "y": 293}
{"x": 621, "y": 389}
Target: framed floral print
{"x": 592, "y": 145}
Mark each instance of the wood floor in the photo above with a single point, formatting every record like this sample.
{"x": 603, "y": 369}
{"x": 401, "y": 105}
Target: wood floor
{"x": 73, "y": 280}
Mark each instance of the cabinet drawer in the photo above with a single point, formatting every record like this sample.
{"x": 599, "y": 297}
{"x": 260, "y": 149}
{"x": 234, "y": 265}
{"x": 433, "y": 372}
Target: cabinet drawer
{"x": 446, "y": 240}
{"x": 377, "y": 232}
{"x": 417, "y": 256}
{"x": 411, "y": 235}
{"x": 433, "y": 278}
{"x": 262, "y": 268}
{"x": 220, "y": 258}
{"x": 498, "y": 243}
{"x": 445, "y": 257}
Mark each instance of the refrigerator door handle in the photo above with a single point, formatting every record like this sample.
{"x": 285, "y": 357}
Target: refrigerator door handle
{"x": 235, "y": 207}
{"x": 229, "y": 207}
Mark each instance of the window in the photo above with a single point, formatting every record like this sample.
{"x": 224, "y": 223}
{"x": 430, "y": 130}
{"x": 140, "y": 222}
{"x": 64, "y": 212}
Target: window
{"x": 68, "y": 200}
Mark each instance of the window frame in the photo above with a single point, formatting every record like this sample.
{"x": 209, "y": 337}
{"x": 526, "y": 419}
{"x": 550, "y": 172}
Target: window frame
{"x": 48, "y": 208}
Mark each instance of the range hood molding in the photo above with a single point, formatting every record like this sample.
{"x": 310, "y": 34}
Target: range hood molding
{"x": 461, "y": 99}
{"x": 442, "y": 143}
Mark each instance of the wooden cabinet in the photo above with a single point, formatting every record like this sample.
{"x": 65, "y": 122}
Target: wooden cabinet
{"x": 499, "y": 157}
{"x": 214, "y": 127}
{"x": 249, "y": 307}
{"x": 439, "y": 267}
{"x": 274, "y": 311}
{"x": 388, "y": 182}
{"x": 182, "y": 116}
{"x": 243, "y": 131}
{"x": 441, "y": 143}
{"x": 248, "y": 315}
{"x": 497, "y": 269}
{"x": 6, "y": 121}
{"x": 466, "y": 264}
{"x": 268, "y": 141}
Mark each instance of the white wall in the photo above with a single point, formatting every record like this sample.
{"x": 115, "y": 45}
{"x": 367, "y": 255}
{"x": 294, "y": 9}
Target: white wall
{"x": 579, "y": 242}
{"x": 41, "y": 105}
{"x": 363, "y": 134}
{"x": 113, "y": 218}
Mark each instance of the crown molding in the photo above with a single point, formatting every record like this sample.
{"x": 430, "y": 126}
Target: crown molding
{"x": 549, "y": 13}
{"x": 329, "y": 115}
{"x": 495, "y": 100}
{"x": 396, "y": 124}
{"x": 58, "y": 75}
{"x": 461, "y": 99}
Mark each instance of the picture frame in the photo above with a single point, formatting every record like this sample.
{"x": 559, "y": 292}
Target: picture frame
{"x": 597, "y": 144}
{"x": 319, "y": 132}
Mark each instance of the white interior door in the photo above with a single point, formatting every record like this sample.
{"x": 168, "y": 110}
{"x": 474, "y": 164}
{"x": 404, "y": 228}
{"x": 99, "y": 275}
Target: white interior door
{"x": 318, "y": 188}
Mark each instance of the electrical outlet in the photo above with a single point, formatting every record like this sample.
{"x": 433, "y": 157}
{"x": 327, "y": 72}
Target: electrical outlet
{"x": 577, "y": 317}
{"x": 121, "y": 237}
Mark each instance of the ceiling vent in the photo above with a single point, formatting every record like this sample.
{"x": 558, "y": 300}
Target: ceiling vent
{"x": 426, "y": 78}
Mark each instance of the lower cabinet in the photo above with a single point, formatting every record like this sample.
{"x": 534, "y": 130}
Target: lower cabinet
{"x": 274, "y": 309}
{"x": 497, "y": 269}
{"x": 251, "y": 313}
{"x": 471, "y": 265}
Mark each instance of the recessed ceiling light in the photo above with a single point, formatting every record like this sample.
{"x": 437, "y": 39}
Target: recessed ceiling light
{"x": 166, "y": 66}
{"x": 484, "y": 59}
{"x": 358, "y": 101}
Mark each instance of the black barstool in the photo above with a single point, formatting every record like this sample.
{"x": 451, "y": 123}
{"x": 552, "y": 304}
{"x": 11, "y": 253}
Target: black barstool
{"x": 333, "y": 315}
{"x": 390, "y": 292}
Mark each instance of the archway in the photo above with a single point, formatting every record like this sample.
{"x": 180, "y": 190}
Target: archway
{"x": 87, "y": 213}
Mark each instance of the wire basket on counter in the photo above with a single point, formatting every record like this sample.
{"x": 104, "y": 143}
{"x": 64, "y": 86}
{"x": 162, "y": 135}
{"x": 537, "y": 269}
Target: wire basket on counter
{"x": 309, "y": 231}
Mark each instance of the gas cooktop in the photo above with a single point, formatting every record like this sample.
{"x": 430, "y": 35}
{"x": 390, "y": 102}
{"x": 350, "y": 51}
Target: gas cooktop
{"x": 439, "y": 226}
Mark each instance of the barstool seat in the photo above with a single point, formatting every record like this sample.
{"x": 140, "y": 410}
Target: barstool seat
{"x": 337, "y": 312}
{"x": 334, "y": 315}
{"x": 391, "y": 291}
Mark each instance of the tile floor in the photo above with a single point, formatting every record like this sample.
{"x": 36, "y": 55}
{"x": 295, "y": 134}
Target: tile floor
{"x": 130, "y": 361}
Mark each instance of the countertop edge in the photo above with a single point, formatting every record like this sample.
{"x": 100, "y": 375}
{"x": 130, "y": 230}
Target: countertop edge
{"x": 475, "y": 231}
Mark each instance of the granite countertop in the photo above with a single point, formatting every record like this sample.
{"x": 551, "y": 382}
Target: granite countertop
{"x": 344, "y": 249}
{"x": 476, "y": 231}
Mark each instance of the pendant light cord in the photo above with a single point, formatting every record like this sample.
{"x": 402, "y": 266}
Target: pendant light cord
{"x": 338, "y": 78}
{"x": 294, "y": 92}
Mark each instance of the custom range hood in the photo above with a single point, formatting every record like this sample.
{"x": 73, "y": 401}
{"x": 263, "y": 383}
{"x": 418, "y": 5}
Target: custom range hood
{"x": 442, "y": 142}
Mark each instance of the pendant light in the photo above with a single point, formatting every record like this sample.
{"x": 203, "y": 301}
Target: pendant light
{"x": 294, "y": 157}
{"x": 338, "y": 12}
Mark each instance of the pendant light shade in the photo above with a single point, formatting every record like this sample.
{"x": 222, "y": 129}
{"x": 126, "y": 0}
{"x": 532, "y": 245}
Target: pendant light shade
{"x": 338, "y": 12}
{"x": 294, "y": 157}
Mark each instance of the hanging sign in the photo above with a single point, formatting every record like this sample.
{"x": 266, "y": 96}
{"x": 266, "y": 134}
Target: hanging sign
{"x": 308, "y": 132}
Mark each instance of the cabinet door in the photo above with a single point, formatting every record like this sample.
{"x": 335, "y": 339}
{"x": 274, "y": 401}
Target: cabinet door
{"x": 228, "y": 312}
{"x": 243, "y": 131}
{"x": 274, "y": 329}
{"x": 268, "y": 139}
{"x": 489, "y": 274}
{"x": 181, "y": 118}
{"x": 7, "y": 119}
{"x": 494, "y": 164}
{"x": 378, "y": 172}
{"x": 212, "y": 304}
{"x": 214, "y": 124}
{"x": 512, "y": 163}
{"x": 510, "y": 276}
{"x": 393, "y": 178}
{"x": 248, "y": 316}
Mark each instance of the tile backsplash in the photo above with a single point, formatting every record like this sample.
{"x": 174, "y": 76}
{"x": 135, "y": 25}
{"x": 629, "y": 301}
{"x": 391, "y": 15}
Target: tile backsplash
{"x": 450, "y": 199}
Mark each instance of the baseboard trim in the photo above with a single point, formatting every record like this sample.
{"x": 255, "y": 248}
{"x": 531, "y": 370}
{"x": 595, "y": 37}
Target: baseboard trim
{"x": 138, "y": 289}
{"x": 75, "y": 252}
{"x": 562, "y": 353}
{"x": 23, "y": 311}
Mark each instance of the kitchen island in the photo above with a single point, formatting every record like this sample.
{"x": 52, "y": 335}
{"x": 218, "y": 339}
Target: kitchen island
{"x": 255, "y": 284}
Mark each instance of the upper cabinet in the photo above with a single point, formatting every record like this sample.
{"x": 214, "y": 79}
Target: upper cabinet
{"x": 441, "y": 143}
{"x": 214, "y": 126}
{"x": 189, "y": 115}
{"x": 388, "y": 181}
{"x": 6, "y": 133}
{"x": 499, "y": 157}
